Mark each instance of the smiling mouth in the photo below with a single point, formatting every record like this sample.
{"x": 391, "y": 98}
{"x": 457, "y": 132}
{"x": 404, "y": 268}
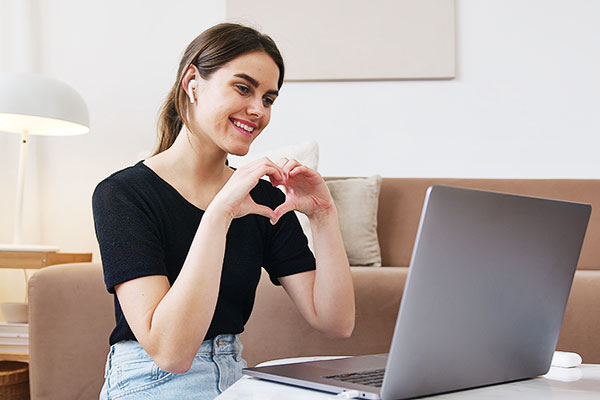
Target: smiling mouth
{"x": 243, "y": 128}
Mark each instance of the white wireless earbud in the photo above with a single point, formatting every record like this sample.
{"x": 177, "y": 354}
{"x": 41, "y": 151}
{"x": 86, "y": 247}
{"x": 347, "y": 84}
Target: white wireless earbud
{"x": 191, "y": 87}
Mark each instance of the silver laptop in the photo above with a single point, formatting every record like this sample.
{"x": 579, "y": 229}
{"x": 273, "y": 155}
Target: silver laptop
{"x": 483, "y": 303}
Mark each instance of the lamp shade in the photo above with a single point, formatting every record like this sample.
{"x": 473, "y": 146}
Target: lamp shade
{"x": 38, "y": 105}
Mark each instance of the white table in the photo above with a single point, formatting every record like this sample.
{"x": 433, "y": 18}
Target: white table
{"x": 582, "y": 382}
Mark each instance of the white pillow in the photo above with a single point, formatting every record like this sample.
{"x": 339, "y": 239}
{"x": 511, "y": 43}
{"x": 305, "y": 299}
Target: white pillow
{"x": 306, "y": 153}
{"x": 357, "y": 201}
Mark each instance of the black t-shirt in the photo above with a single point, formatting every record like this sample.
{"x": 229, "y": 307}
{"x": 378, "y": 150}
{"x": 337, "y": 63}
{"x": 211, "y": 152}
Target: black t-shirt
{"x": 145, "y": 227}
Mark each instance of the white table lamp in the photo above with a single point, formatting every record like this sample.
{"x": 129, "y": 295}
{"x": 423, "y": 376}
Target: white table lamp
{"x": 36, "y": 105}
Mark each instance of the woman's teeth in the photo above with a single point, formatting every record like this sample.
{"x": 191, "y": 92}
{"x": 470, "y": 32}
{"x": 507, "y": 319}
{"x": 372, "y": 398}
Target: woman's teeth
{"x": 243, "y": 126}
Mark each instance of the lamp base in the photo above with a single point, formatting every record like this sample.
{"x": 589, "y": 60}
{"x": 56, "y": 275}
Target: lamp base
{"x": 29, "y": 247}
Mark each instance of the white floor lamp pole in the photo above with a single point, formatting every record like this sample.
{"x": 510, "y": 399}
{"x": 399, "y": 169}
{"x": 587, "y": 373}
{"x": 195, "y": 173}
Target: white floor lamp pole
{"x": 18, "y": 223}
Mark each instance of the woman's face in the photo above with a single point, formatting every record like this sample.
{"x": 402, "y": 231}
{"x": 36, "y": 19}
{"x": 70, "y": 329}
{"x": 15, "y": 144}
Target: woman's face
{"x": 233, "y": 106}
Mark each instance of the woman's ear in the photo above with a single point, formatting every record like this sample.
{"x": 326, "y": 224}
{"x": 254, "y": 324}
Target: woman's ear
{"x": 189, "y": 82}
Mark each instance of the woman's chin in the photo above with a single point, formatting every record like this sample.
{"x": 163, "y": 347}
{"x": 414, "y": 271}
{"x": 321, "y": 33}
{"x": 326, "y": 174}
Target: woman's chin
{"x": 239, "y": 150}
{"x": 239, "y": 146}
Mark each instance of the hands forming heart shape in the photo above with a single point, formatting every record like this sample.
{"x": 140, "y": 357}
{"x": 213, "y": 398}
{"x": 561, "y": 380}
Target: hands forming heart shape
{"x": 305, "y": 189}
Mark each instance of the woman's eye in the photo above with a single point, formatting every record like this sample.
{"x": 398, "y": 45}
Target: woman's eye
{"x": 268, "y": 101}
{"x": 242, "y": 89}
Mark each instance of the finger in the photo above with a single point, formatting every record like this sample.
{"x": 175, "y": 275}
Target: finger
{"x": 283, "y": 209}
{"x": 247, "y": 180}
{"x": 287, "y": 163}
{"x": 279, "y": 174}
{"x": 291, "y": 164}
{"x": 259, "y": 164}
{"x": 264, "y": 211}
{"x": 266, "y": 167}
{"x": 273, "y": 171}
{"x": 302, "y": 170}
{"x": 274, "y": 220}
{"x": 243, "y": 181}
{"x": 281, "y": 164}
{"x": 282, "y": 161}
{"x": 275, "y": 181}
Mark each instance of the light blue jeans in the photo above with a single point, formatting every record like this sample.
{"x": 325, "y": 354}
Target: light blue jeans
{"x": 131, "y": 373}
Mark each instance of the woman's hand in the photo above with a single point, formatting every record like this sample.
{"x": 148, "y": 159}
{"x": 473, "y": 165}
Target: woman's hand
{"x": 234, "y": 198}
{"x": 305, "y": 190}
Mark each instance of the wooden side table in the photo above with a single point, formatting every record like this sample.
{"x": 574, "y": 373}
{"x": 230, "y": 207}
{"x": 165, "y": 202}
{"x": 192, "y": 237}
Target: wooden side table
{"x": 36, "y": 260}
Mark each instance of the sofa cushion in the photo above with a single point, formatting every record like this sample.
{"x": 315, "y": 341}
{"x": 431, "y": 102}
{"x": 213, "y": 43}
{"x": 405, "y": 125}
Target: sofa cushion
{"x": 357, "y": 200}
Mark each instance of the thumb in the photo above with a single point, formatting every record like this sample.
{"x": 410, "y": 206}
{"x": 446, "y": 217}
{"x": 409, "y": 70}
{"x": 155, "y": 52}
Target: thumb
{"x": 282, "y": 210}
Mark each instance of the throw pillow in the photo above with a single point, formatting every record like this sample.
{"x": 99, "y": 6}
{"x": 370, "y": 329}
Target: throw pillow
{"x": 357, "y": 200}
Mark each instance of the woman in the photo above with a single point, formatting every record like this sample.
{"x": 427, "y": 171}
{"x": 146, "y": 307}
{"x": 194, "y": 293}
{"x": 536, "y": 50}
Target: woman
{"x": 183, "y": 236}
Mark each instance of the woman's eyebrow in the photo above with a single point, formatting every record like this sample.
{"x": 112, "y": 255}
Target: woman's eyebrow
{"x": 255, "y": 83}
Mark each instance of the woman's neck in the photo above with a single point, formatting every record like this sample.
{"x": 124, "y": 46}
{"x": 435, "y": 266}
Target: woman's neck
{"x": 196, "y": 170}
{"x": 196, "y": 158}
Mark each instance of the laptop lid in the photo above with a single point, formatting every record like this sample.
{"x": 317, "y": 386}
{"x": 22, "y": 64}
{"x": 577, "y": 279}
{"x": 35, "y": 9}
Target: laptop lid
{"x": 486, "y": 292}
{"x": 484, "y": 299}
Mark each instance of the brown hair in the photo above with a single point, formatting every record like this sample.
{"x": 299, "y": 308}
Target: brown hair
{"x": 211, "y": 50}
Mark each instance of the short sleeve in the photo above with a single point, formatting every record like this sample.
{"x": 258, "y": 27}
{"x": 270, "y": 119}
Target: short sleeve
{"x": 127, "y": 232}
{"x": 287, "y": 252}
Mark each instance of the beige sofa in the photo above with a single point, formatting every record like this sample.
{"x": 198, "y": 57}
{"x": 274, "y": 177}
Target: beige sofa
{"x": 71, "y": 313}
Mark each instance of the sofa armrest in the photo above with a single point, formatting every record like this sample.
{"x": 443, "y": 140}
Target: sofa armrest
{"x": 580, "y": 331}
{"x": 70, "y": 317}
{"x": 277, "y": 330}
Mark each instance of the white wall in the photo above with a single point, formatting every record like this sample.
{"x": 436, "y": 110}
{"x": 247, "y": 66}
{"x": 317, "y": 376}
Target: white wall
{"x": 524, "y": 103}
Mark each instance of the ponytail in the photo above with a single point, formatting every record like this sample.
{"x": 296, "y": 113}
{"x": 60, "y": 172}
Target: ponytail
{"x": 169, "y": 123}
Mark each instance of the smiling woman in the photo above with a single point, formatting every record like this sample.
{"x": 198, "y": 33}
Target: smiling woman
{"x": 183, "y": 236}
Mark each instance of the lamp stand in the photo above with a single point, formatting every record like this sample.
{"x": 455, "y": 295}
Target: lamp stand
{"x": 20, "y": 189}
{"x": 16, "y": 244}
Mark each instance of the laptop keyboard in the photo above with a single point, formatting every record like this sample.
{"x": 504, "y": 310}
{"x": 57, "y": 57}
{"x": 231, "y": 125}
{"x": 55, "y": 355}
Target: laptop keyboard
{"x": 369, "y": 378}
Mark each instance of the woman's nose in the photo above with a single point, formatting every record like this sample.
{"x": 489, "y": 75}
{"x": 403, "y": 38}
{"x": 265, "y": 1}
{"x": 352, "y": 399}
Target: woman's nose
{"x": 256, "y": 108}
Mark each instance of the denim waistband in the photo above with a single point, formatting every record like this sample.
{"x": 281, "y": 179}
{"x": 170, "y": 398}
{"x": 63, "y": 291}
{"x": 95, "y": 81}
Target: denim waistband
{"x": 221, "y": 344}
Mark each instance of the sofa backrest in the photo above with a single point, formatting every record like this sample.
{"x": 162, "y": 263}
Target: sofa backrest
{"x": 401, "y": 201}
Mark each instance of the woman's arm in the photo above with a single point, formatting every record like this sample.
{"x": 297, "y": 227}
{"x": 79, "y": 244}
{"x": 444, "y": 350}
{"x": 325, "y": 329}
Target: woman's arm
{"x": 324, "y": 297}
{"x": 171, "y": 322}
